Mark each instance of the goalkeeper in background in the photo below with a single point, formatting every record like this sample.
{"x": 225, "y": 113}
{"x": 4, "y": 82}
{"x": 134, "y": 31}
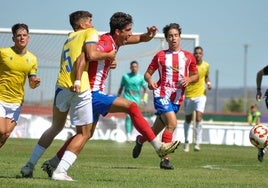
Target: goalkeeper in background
{"x": 131, "y": 84}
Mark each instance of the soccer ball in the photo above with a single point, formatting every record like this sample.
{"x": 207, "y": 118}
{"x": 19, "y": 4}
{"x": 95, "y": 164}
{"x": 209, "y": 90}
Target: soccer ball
{"x": 258, "y": 136}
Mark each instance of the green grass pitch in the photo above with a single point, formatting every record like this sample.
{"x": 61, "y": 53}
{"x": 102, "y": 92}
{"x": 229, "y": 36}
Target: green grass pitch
{"x": 110, "y": 164}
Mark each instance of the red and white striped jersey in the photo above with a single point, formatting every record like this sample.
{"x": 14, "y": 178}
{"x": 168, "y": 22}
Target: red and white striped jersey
{"x": 98, "y": 70}
{"x": 172, "y": 67}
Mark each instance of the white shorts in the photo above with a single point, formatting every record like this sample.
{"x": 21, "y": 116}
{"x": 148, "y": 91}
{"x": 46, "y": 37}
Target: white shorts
{"x": 11, "y": 111}
{"x": 78, "y": 104}
{"x": 194, "y": 104}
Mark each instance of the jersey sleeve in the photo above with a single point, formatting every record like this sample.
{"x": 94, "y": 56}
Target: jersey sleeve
{"x": 192, "y": 67}
{"x": 105, "y": 43}
{"x": 207, "y": 68}
{"x": 154, "y": 65}
{"x": 92, "y": 36}
{"x": 33, "y": 71}
{"x": 144, "y": 84}
{"x": 123, "y": 81}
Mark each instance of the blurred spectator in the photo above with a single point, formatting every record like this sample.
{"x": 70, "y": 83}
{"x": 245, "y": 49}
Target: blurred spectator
{"x": 254, "y": 115}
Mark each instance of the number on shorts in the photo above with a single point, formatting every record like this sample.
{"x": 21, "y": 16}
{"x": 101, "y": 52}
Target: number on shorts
{"x": 164, "y": 101}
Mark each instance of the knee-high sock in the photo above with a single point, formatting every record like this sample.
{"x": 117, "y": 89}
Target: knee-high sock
{"x": 166, "y": 136}
{"x": 140, "y": 123}
{"x": 63, "y": 148}
{"x": 37, "y": 154}
{"x": 186, "y": 131}
{"x": 142, "y": 139}
{"x": 66, "y": 162}
{"x": 198, "y": 132}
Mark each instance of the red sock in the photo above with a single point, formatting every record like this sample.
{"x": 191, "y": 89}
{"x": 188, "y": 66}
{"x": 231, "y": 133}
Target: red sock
{"x": 142, "y": 139}
{"x": 140, "y": 123}
{"x": 166, "y": 136}
{"x": 63, "y": 148}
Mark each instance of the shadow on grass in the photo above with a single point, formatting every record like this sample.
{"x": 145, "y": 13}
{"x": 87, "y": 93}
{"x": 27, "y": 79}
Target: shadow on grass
{"x": 18, "y": 177}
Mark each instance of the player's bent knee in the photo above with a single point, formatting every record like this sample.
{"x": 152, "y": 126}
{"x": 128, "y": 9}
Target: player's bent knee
{"x": 133, "y": 105}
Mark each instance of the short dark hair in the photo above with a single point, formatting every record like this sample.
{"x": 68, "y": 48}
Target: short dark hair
{"x": 198, "y": 48}
{"x": 19, "y": 26}
{"x": 134, "y": 62}
{"x": 254, "y": 106}
{"x": 119, "y": 20}
{"x": 76, "y": 16}
{"x": 171, "y": 26}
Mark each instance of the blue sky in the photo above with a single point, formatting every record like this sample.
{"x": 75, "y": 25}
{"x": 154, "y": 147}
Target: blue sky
{"x": 224, "y": 27}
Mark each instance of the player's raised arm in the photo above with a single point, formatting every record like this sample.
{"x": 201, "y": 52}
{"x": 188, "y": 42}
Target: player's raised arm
{"x": 145, "y": 37}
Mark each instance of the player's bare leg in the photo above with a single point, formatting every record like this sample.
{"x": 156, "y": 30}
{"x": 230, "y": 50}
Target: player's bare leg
{"x": 6, "y": 127}
{"x": 58, "y": 123}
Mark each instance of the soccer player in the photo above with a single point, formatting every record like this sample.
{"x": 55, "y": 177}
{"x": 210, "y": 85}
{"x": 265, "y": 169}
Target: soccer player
{"x": 254, "y": 115}
{"x": 120, "y": 34}
{"x": 177, "y": 69}
{"x": 131, "y": 84}
{"x": 16, "y": 64}
{"x": 195, "y": 100}
{"x": 260, "y": 74}
{"x": 67, "y": 100}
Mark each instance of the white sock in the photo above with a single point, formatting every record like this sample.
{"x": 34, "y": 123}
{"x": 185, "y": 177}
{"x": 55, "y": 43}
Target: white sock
{"x": 186, "y": 131}
{"x": 66, "y": 162}
{"x": 36, "y": 154}
{"x": 156, "y": 144}
{"x": 198, "y": 132}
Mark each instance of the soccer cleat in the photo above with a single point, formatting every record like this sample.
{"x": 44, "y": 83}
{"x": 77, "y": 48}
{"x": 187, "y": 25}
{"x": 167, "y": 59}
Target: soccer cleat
{"x": 137, "y": 149}
{"x": 196, "y": 147}
{"x": 48, "y": 168}
{"x": 165, "y": 164}
{"x": 260, "y": 154}
{"x": 27, "y": 170}
{"x": 61, "y": 177}
{"x": 186, "y": 147}
{"x": 167, "y": 148}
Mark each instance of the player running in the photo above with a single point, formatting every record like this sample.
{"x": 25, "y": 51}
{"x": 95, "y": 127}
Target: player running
{"x": 176, "y": 68}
